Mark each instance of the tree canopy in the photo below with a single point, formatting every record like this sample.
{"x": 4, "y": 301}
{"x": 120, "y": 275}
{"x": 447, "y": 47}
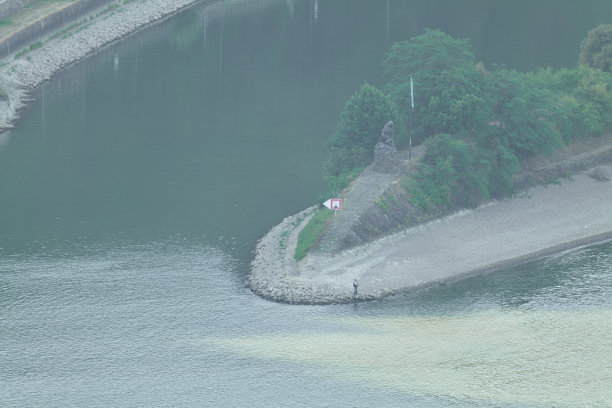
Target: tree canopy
{"x": 477, "y": 123}
{"x": 351, "y": 147}
{"x": 596, "y": 48}
{"x": 448, "y": 84}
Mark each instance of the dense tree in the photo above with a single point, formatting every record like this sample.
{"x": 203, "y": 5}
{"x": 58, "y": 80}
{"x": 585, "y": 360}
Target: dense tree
{"x": 352, "y": 146}
{"x": 582, "y": 98}
{"x": 449, "y": 87}
{"x": 477, "y": 124}
{"x": 523, "y": 111}
{"x": 455, "y": 172}
{"x": 596, "y": 48}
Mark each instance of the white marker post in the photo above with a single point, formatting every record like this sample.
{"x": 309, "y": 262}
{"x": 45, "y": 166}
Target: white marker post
{"x": 411, "y": 111}
{"x": 334, "y": 204}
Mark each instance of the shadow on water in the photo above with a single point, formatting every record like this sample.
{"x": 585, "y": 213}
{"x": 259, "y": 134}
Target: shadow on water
{"x": 185, "y": 29}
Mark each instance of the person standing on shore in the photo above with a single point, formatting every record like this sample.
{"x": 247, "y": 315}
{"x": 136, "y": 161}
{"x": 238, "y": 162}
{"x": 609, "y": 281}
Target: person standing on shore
{"x": 355, "y": 286}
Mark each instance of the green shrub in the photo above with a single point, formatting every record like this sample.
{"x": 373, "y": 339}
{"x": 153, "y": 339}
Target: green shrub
{"x": 477, "y": 124}
{"x": 352, "y": 146}
{"x": 448, "y": 84}
{"x": 311, "y": 233}
{"x": 596, "y": 48}
{"x": 583, "y": 101}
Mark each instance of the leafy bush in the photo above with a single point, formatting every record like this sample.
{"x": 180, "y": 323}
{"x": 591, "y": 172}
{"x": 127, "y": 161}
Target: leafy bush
{"x": 583, "y": 101}
{"x": 596, "y": 48}
{"x": 352, "y": 146}
{"x": 448, "y": 84}
{"x": 453, "y": 173}
{"x": 496, "y": 118}
{"x": 477, "y": 124}
{"x": 524, "y": 110}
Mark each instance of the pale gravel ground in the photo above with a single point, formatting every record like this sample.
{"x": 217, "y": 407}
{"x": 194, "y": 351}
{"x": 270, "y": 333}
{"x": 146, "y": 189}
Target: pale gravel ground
{"x": 541, "y": 221}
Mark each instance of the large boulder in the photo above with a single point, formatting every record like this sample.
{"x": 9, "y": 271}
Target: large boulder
{"x": 599, "y": 174}
{"x": 385, "y": 152}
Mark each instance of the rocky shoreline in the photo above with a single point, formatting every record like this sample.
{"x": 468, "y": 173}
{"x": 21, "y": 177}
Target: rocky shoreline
{"x": 541, "y": 221}
{"x": 19, "y": 76}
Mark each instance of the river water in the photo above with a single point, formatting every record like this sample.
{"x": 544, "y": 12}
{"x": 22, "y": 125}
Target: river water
{"x": 136, "y": 185}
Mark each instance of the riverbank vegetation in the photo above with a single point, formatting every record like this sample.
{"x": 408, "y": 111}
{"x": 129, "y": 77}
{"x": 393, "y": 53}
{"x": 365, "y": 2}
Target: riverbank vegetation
{"x": 351, "y": 148}
{"x": 477, "y": 124}
{"x": 311, "y": 232}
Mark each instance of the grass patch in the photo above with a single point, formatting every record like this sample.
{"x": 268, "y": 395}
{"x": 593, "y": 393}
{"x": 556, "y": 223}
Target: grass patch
{"x": 36, "y": 45}
{"x": 21, "y": 53}
{"x": 66, "y": 31}
{"x": 108, "y": 9}
{"x": 311, "y": 233}
{"x": 282, "y": 244}
{"x": 32, "y": 47}
{"x": 383, "y": 204}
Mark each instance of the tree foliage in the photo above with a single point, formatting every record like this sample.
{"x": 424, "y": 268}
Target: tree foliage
{"x": 352, "y": 146}
{"x": 523, "y": 113}
{"x": 448, "y": 84}
{"x": 596, "y": 48}
{"x": 583, "y": 100}
{"x": 452, "y": 173}
{"x": 477, "y": 124}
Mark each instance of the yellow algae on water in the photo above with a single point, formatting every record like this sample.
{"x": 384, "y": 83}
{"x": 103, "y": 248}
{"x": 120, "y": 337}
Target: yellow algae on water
{"x": 533, "y": 357}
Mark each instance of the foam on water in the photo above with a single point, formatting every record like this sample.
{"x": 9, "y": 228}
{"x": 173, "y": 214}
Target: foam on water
{"x": 531, "y": 358}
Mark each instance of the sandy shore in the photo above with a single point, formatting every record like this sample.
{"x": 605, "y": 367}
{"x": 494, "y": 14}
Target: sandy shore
{"x": 18, "y": 76}
{"x": 541, "y": 221}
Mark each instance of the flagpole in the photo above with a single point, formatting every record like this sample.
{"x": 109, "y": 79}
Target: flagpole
{"x": 410, "y": 131}
{"x": 410, "y": 139}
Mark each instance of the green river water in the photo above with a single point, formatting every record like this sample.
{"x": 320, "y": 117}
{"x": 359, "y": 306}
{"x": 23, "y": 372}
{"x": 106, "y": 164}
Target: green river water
{"x": 135, "y": 186}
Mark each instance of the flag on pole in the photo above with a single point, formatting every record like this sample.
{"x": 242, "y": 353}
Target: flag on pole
{"x": 411, "y": 93}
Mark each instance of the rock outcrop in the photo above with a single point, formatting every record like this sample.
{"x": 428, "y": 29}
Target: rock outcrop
{"x": 599, "y": 174}
{"x": 385, "y": 152}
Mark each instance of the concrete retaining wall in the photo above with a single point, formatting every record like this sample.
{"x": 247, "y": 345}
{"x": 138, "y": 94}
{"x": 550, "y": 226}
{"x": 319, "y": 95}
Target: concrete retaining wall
{"x": 9, "y": 7}
{"x": 46, "y": 25}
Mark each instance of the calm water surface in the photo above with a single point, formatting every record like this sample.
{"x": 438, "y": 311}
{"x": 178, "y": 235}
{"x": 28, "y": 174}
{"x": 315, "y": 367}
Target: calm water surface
{"x": 135, "y": 187}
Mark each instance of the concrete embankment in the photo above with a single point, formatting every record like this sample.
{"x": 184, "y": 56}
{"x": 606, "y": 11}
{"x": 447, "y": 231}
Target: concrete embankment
{"x": 541, "y": 221}
{"x": 18, "y": 76}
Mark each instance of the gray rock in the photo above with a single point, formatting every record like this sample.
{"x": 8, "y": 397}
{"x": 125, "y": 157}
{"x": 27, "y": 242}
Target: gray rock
{"x": 599, "y": 174}
{"x": 386, "y": 136}
{"x": 385, "y": 152}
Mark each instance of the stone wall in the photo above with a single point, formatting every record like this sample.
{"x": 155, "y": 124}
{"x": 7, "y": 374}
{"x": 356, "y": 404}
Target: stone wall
{"x": 9, "y": 7}
{"x": 46, "y": 25}
{"x": 565, "y": 168}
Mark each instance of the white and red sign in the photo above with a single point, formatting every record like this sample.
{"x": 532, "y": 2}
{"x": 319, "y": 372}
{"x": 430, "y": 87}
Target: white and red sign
{"x": 333, "y": 204}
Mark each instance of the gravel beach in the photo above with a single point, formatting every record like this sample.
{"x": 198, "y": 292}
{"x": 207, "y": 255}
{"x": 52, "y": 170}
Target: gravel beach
{"x": 540, "y": 221}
